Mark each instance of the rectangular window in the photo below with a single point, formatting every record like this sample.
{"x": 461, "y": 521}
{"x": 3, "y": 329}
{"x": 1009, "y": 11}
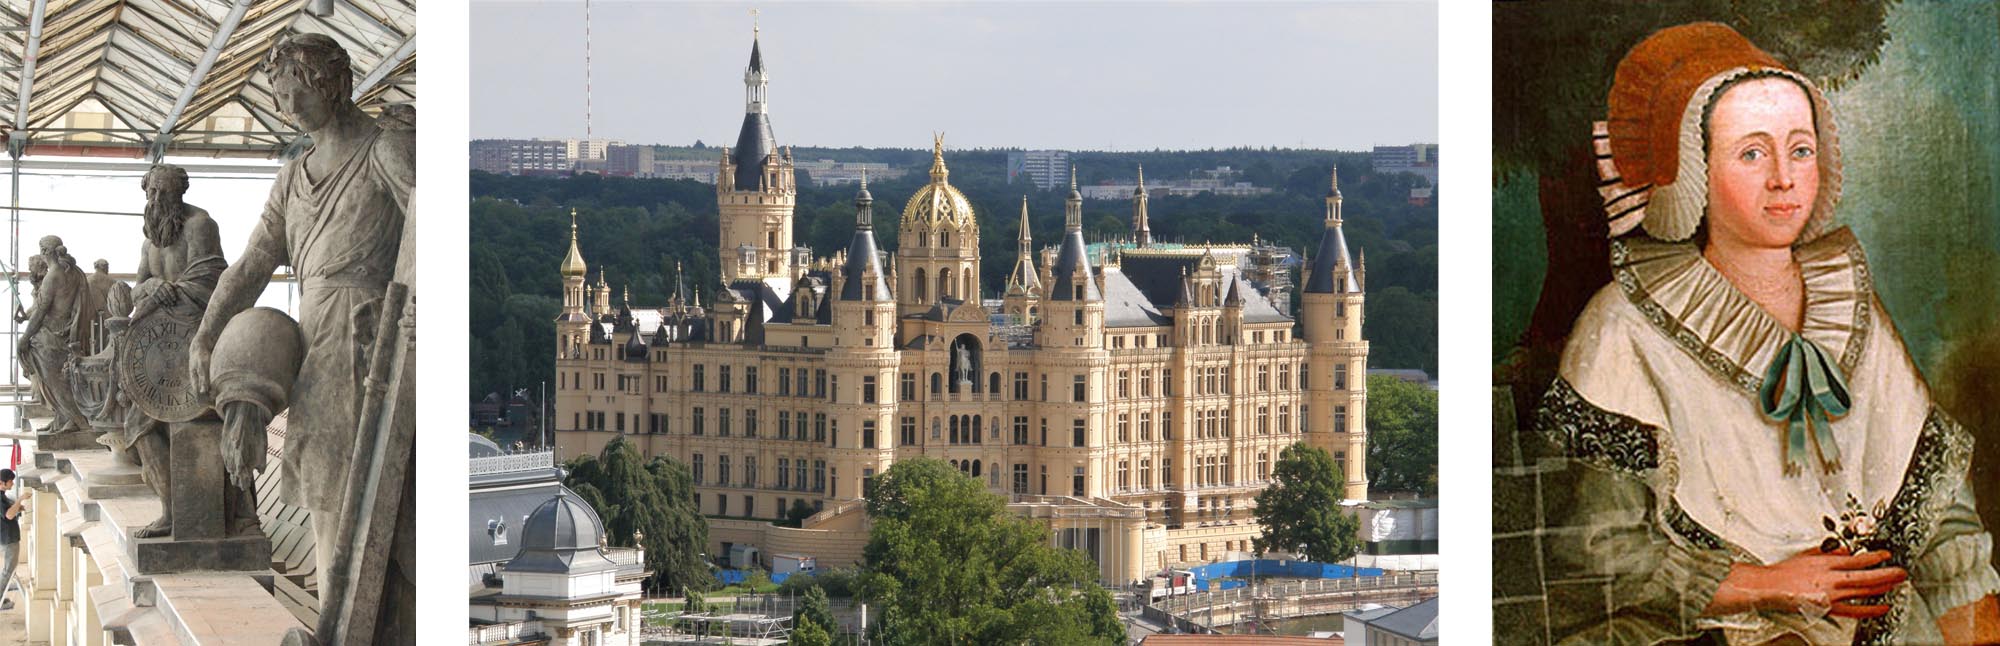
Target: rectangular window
{"x": 1146, "y": 383}
{"x": 799, "y": 474}
{"x": 801, "y": 391}
{"x": 1340, "y": 419}
{"x": 1167, "y": 472}
{"x": 819, "y": 475}
{"x": 1167, "y": 425}
{"x": 696, "y": 466}
{"x": 1021, "y": 386}
{"x": 721, "y": 505}
{"x": 749, "y": 422}
{"x": 1078, "y": 385}
{"x": 1146, "y": 426}
{"x": 1076, "y": 433}
{"x": 784, "y": 424}
{"x": 699, "y": 423}
{"x": 750, "y": 379}
{"x": 621, "y": 422}
{"x": 1124, "y": 384}
{"x": 722, "y": 470}
{"x": 1124, "y": 427}
{"x": 1045, "y": 431}
{"x": 722, "y": 381}
{"x": 819, "y": 383}
{"x": 868, "y": 389}
{"x": 784, "y": 476}
{"x": 1020, "y": 478}
{"x": 722, "y": 422}
{"x": 907, "y": 387}
{"x": 1167, "y": 382}
{"x": 868, "y": 434}
{"x": 819, "y": 427}
{"x": 1076, "y": 483}
{"x": 908, "y": 431}
{"x": 1340, "y": 377}
{"x": 1021, "y": 430}
{"x": 1045, "y": 387}
{"x": 784, "y": 382}
{"x": 749, "y": 506}
{"x": 700, "y": 378}
{"x": 834, "y": 389}
{"x": 750, "y": 472}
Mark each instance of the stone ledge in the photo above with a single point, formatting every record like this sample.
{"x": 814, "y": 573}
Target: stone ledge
{"x": 222, "y": 610}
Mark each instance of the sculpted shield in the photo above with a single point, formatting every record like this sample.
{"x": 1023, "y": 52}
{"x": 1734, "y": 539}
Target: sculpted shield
{"x": 153, "y": 368}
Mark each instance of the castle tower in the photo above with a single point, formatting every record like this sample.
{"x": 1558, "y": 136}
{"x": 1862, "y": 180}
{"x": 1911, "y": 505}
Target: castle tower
{"x": 1142, "y": 232}
{"x": 1074, "y": 307}
{"x": 863, "y": 362}
{"x": 1024, "y": 283}
{"x": 572, "y": 326}
{"x": 1331, "y": 307}
{"x": 937, "y": 254}
{"x": 754, "y": 189}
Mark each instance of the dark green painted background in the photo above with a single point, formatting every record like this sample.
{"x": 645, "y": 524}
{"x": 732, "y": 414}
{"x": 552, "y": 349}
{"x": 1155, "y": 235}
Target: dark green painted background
{"x": 1920, "y": 131}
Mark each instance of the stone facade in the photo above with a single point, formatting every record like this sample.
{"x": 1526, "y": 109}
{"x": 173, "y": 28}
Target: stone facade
{"x": 1136, "y": 407}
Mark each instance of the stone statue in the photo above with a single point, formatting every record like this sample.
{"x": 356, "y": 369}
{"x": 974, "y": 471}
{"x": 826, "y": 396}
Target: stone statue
{"x": 179, "y": 264}
{"x": 55, "y": 332}
{"x": 336, "y": 217}
{"x": 99, "y": 289}
{"x": 964, "y": 361}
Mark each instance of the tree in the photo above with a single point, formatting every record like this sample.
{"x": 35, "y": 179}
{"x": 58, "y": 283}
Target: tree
{"x": 799, "y": 512}
{"x": 808, "y": 633}
{"x": 1301, "y": 511}
{"x": 694, "y": 604}
{"x": 656, "y": 499}
{"x": 815, "y": 609}
{"x": 1402, "y": 436}
{"x": 948, "y": 564}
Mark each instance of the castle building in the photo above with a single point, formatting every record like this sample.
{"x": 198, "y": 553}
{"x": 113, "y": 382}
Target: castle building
{"x": 1132, "y": 395}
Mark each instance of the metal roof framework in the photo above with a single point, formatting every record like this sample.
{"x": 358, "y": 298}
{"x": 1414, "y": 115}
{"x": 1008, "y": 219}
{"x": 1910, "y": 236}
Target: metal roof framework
{"x": 148, "y": 78}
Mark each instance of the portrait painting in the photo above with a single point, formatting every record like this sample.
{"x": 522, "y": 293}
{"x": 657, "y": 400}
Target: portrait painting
{"x": 1746, "y": 350}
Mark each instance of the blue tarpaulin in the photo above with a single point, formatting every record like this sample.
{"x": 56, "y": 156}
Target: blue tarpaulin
{"x": 1273, "y": 567}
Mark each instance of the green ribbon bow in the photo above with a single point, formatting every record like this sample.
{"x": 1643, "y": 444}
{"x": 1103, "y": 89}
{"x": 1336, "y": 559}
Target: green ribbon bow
{"x": 1803, "y": 386}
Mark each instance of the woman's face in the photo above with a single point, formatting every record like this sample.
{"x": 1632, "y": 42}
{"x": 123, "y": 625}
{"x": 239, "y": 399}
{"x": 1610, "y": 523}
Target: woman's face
{"x": 300, "y": 104}
{"x": 1763, "y": 164}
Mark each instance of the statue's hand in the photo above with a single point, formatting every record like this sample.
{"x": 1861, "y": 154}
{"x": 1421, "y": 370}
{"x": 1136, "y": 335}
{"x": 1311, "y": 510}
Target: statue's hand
{"x": 198, "y": 351}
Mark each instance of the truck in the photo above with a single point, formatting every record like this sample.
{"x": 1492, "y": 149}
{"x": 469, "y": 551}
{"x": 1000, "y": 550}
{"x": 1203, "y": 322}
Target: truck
{"x": 1170, "y": 583}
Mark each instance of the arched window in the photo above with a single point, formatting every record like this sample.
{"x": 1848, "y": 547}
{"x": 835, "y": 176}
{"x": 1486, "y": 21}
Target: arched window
{"x": 923, "y": 287}
{"x": 954, "y": 429}
{"x": 993, "y": 383}
{"x": 944, "y": 283}
{"x": 978, "y": 429}
{"x": 944, "y": 238}
{"x": 975, "y": 468}
{"x": 937, "y": 384}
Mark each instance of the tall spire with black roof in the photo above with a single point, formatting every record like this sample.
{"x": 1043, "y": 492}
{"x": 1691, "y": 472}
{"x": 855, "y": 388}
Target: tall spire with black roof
{"x": 1331, "y": 271}
{"x": 862, "y": 278}
{"x": 1024, "y": 279}
{"x": 1072, "y": 274}
{"x": 754, "y": 187}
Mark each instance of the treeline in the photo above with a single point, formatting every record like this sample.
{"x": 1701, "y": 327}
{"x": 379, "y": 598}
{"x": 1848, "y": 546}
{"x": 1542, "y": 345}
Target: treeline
{"x": 636, "y": 230}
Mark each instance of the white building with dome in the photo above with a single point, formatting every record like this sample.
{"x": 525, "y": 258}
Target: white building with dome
{"x": 544, "y": 574}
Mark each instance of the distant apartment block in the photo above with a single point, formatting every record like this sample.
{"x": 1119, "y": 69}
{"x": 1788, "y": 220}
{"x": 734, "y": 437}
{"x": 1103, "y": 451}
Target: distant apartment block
{"x": 827, "y": 172}
{"x": 1220, "y": 180}
{"x": 521, "y": 156}
{"x": 1045, "y": 168}
{"x": 590, "y": 149}
{"x": 1421, "y": 159}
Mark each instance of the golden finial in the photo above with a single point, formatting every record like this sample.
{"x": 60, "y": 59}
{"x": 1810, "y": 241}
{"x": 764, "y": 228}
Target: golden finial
{"x": 754, "y": 27}
{"x": 1072, "y": 177}
{"x": 1142, "y": 176}
{"x": 864, "y": 177}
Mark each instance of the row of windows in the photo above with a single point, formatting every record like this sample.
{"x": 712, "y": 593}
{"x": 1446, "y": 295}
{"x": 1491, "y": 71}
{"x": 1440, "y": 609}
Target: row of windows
{"x": 963, "y": 429}
{"x": 1209, "y": 380}
{"x": 791, "y": 473}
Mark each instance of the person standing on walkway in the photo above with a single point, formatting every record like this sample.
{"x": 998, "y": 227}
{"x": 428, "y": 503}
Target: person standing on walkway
{"x": 10, "y": 535}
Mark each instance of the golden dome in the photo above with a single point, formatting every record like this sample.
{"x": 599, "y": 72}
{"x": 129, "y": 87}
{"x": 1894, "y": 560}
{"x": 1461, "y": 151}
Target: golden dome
{"x": 937, "y": 202}
{"x": 572, "y": 264}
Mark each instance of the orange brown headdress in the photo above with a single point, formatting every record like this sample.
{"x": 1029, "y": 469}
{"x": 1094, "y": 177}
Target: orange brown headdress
{"x": 1652, "y": 153}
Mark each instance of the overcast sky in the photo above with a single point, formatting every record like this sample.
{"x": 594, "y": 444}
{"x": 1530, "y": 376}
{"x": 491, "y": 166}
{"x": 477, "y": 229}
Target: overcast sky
{"x": 1097, "y": 76}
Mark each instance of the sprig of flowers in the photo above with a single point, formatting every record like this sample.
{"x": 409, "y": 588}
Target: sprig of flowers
{"x": 1855, "y": 531}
